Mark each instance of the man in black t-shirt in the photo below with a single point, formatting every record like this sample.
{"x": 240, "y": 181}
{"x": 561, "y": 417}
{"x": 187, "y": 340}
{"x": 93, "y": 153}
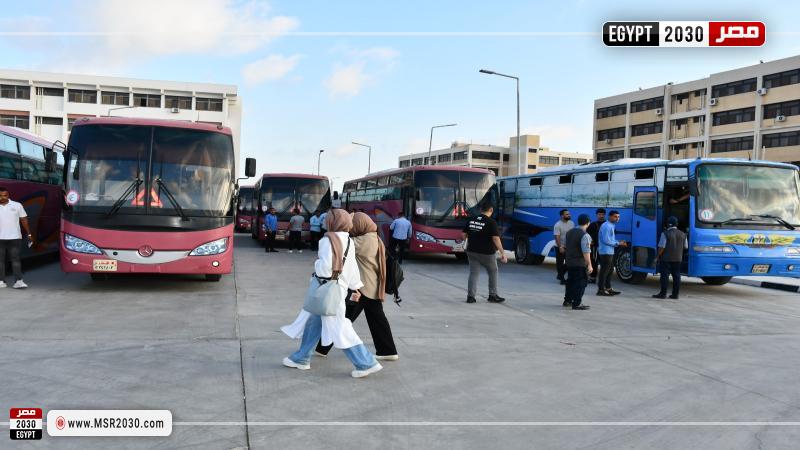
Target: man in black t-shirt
{"x": 483, "y": 241}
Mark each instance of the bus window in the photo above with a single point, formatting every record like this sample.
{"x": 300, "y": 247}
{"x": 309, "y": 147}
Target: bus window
{"x": 646, "y": 204}
{"x": 644, "y": 174}
{"x": 601, "y": 177}
{"x": 675, "y": 174}
{"x": 31, "y": 150}
{"x": 565, "y": 179}
{"x": 7, "y": 166}
{"x": 555, "y": 194}
{"x": 8, "y": 143}
{"x": 536, "y": 182}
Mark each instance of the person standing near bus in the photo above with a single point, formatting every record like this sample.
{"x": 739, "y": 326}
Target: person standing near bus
{"x": 12, "y": 216}
{"x": 483, "y": 243}
{"x": 316, "y": 230}
{"x": 560, "y": 230}
{"x": 671, "y": 246}
{"x": 579, "y": 264}
{"x": 296, "y": 232}
{"x": 594, "y": 230}
{"x": 401, "y": 234}
{"x": 270, "y": 229}
{"x": 607, "y": 246}
{"x": 322, "y": 225}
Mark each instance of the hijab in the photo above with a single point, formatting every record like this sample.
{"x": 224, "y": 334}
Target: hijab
{"x": 337, "y": 220}
{"x": 363, "y": 224}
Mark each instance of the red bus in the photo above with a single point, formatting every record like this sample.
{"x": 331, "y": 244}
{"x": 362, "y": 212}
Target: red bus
{"x": 286, "y": 192}
{"x": 245, "y": 211}
{"x": 34, "y": 182}
{"x": 149, "y": 196}
{"x": 438, "y": 200}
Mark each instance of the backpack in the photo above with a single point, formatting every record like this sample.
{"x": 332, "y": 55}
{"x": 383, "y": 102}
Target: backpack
{"x": 394, "y": 277}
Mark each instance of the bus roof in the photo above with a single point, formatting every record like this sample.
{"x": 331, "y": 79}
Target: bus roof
{"x": 294, "y": 175}
{"x": 419, "y": 169}
{"x": 21, "y": 134}
{"x": 153, "y": 123}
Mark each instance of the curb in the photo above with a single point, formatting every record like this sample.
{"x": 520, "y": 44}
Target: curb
{"x": 767, "y": 284}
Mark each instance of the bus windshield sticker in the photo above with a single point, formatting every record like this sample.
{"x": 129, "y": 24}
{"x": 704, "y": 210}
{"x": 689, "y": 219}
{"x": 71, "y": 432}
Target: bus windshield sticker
{"x": 707, "y": 215}
{"x": 72, "y": 197}
{"x": 265, "y": 208}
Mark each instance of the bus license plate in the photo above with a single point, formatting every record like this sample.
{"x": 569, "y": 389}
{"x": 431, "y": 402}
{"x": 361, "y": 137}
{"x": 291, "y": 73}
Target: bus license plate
{"x": 104, "y": 265}
{"x": 280, "y": 237}
{"x": 760, "y": 268}
{"x": 458, "y": 248}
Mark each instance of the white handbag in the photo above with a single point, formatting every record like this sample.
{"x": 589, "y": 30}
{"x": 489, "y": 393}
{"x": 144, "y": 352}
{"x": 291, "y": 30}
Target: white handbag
{"x": 326, "y": 297}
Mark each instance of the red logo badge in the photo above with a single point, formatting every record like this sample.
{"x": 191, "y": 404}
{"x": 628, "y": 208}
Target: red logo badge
{"x": 146, "y": 251}
{"x": 736, "y": 34}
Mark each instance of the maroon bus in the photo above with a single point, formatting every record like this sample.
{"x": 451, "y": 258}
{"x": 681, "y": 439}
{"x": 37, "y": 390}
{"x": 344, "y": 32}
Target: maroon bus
{"x": 245, "y": 211}
{"x": 286, "y": 192}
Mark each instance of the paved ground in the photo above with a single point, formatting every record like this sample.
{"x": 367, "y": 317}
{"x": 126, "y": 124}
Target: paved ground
{"x": 719, "y": 354}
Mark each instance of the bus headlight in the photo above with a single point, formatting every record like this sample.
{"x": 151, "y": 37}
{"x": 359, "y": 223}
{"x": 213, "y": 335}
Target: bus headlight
{"x": 424, "y": 237}
{"x": 211, "y": 248}
{"x": 80, "y": 246}
{"x": 793, "y": 251}
{"x": 714, "y": 248}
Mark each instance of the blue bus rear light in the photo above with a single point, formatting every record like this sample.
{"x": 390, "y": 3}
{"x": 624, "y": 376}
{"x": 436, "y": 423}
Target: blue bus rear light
{"x": 714, "y": 249}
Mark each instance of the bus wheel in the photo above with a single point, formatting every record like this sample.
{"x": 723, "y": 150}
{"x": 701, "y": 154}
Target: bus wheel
{"x": 461, "y": 256}
{"x": 622, "y": 263}
{"x": 716, "y": 281}
{"x": 522, "y": 251}
{"x": 213, "y": 277}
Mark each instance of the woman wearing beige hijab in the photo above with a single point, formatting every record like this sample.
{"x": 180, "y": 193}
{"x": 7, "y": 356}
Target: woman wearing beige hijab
{"x": 371, "y": 259}
{"x": 333, "y": 330}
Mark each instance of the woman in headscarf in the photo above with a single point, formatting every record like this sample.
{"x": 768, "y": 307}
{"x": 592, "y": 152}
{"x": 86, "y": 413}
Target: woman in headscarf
{"x": 333, "y": 330}
{"x": 371, "y": 259}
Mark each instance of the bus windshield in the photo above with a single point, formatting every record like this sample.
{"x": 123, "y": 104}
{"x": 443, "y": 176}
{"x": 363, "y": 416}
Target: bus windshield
{"x": 110, "y": 165}
{"x": 746, "y": 193}
{"x": 278, "y": 193}
{"x": 310, "y": 195}
{"x": 439, "y": 192}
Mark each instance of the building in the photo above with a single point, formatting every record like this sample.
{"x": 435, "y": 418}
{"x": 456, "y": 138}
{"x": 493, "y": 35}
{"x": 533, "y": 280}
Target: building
{"x": 47, "y": 104}
{"x": 751, "y": 112}
{"x": 501, "y": 160}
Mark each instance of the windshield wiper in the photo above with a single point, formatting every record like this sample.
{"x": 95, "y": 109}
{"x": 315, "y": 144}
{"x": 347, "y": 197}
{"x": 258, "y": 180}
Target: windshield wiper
{"x": 172, "y": 200}
{"x": 777, "y": 219}
{"x": 735, "y": 219}
{"x": 134, "y": 186}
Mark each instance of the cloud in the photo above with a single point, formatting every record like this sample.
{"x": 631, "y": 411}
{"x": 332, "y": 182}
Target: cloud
{"x": 347, "y": 80}
{"x": 362, "y": 68}
{"x": 271, "y": 68}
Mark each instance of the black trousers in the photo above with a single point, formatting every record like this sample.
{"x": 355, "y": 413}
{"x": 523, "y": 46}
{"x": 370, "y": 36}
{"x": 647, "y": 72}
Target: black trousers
{"x": 668, "y": 268}
{"x": 577, "y": 279}
{"x": 315, "y": 237}
{"x": 561, "y": 264}
{"x": 376, "y": 320}
{"x": 12, "y": 248}
{"x": 269, "y": 242}
{"x": 606, "y": 270}
{"x": 399, "y": 248}
{"x": 295, "y": 240}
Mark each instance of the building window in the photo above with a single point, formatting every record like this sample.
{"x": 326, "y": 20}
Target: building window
{"x": 404, "y": 163}
{"x": 416, "y": 162}
{"x": 174, "y": 101}
{"x": 550, "y": 160}
{"x": 82, "y": 96}
{"x": 208, "y": 104}
{"x": 647, "y": 128}
{"x": 680, "y": 123}
{"x": 782, "y": 78}
{"x": 791, "y": 108}
{"x": 566, "y": 160}
{"x": 612, "y": 133}
{"x": 10, "y": 120}
{"x": 493, "y": 156}
{"x": 50, "y": 92}
{"x": 147, "y": 100}
{"x": 646, "y": 152}
{"x": 459, "y": 156}
{"x": 13, "y": 91}
{"x": 736, "y": 87}
{"x": 611, "y": 111}
{"x": 696, "y": 119}
{"x": 734, "y": 116}
{"x": 732, "y": 144}
{"x": 444, "y": 158}
{"x": 782, "y": 139}
{"x": 700, "y": 92}
{"x": 610, "y": 156}
{"x": 506, "y": 157}
{"x": 648, "y": 104}
{"x": 532, "y": 166}
{"x": 680, "y": 97}
{"x": 52, "y": 120}
{"x": 532, "y": 150}
{"x": 114, "y": 98}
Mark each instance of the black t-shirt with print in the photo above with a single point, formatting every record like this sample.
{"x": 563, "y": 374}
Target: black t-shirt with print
{"x": 480, "y": 231}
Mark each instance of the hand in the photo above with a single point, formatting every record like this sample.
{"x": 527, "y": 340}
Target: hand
{"x": 589, "y": 270}
{"x": 562, "y": 249}
{"x": 623, "y": 244}
{"x": 355, "y": 296}
{"x": 503, "y": 258}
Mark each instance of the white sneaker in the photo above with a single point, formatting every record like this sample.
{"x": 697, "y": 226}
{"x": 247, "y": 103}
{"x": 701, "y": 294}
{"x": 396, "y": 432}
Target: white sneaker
{"x": 291, "y": 251}
{"x": 362, "y": 373}
{"x": 2, "y": 284}
{"x": 321, "y": 355}
{"x": 289, "y": 363}
{"x": 299, "y": 251}
{"x": 387, "y": 357}
{"x": 19, "y": 285}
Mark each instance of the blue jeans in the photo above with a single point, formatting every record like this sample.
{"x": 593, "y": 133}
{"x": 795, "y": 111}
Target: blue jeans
{"x": 361, "y": 358}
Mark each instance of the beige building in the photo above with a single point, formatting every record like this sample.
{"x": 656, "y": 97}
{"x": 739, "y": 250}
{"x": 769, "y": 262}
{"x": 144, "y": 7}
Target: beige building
{"x": 751, "y": 112}
{"x": 501, "y": 160}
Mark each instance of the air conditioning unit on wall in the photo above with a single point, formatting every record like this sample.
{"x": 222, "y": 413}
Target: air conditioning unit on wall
{"x": 780, "y": 118}
{"x": 659, "y": 111}
{"x": 712, "y": 101}
{"x": 608, "y": 141}
{"x": 762, "y": 91}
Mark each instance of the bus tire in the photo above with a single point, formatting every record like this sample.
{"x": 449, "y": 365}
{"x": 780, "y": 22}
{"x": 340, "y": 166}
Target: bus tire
{"x": 622, "y": 265}
{"x": 715, "y": 281}
{"x": 522, "y": 252}
{"x": 461, "y": 256}
{"x": 213, "y": 277}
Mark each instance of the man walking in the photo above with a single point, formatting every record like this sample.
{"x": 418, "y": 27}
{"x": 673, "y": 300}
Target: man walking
{"x": 606, "y": 248}
{"x": 578, "y": 261}
{"x": 316, "y": 230}
{"x": 296, "y": 231}
{"x": 270, "y": 228}
{"x": 12, "y": 215}
{"x": 594, "y": 231}
{"x": 560, "y": 230}
{"x": 401, "y": 234}
{"x": 670, "y": 254}
{"x": 483, "y": 242}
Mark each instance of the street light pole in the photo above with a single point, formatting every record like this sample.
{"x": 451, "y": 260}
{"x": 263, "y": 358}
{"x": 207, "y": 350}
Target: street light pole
{"x": 319, "y": 157}
{"x": 430, "y": 143}
{"x": 369, "y": 158}
{"x": 491, "y": 72}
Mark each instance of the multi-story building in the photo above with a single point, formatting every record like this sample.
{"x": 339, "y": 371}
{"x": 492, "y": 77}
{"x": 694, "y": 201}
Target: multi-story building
{"x": 47, "y": 104}
{"x": 501, "y": 160}
{"x": 751, "y": 112}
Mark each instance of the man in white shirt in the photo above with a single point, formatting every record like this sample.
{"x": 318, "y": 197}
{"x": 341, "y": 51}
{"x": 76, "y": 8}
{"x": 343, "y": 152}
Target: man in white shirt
{"x": 401, "y": 234}
{"x": 560, "y": 230}
{"x": 12, "y": 215}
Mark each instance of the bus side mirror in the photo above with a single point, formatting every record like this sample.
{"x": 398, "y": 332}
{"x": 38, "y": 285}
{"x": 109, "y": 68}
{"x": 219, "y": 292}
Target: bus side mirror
{"x": 250, "y": 167}
{"x": 49, "y": 160}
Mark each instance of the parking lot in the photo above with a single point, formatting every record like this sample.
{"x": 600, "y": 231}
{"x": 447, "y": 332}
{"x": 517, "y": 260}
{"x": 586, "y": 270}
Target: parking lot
{"x": 469, "y": 376}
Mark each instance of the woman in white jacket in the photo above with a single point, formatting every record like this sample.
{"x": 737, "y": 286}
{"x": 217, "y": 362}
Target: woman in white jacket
{"x": 336, "y": 330}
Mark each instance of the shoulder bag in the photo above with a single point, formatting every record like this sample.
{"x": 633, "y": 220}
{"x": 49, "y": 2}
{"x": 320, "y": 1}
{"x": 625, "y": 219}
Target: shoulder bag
{"x": 326, "y": 298}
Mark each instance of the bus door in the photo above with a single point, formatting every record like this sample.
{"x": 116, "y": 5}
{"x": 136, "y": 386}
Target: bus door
{"x": 505, "y": 210}
{"x": 644, "y": 229}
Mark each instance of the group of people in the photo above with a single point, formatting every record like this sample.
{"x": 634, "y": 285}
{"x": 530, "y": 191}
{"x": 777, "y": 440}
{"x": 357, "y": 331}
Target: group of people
{"x": 296, "y": 224}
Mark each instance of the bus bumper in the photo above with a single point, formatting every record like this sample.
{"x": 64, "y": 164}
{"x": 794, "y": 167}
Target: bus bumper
{"x": 82, "y": 263}
{"x": 731, "y": 266}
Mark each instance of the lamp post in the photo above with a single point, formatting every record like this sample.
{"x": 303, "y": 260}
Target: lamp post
{"x": 369, "y": 157}
{"x": 430, "y": 142}
{"x": 490, "y": 72}
{"x": 319, "y": 157}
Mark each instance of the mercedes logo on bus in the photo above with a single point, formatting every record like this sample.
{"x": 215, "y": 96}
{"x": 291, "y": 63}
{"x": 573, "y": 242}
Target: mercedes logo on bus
{"x": 146, "y": 251}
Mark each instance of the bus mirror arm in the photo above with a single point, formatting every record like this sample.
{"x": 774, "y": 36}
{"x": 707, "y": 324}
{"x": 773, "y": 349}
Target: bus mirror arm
{"x": 49, "y": 160}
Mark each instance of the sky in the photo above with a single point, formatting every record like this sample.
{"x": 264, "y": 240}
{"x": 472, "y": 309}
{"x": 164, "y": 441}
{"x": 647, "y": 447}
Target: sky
{"x": 318, "y": 74}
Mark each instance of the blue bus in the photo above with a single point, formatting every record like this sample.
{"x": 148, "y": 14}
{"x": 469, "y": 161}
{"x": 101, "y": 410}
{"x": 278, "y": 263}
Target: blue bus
{"x": 742, "y": 217}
